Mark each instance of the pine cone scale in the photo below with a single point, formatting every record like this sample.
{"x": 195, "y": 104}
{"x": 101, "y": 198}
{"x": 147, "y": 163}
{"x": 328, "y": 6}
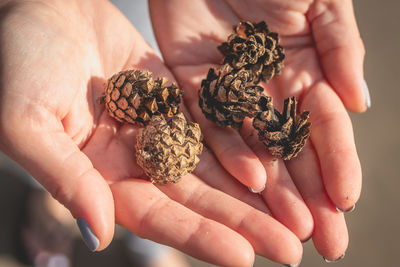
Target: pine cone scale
{"x": 253, "y": 44}
{"x": 284, "y": 134}
{"x": 177, "y": 152}
{"x": 134, "y": 97}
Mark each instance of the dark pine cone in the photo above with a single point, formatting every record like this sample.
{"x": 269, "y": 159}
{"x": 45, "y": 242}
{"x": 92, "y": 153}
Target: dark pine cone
{"x": 167, "y": 150}
{"x": 133, "y": 96}
{"x": 255, "y": 48}
{"x": 284, "y": 134}
{"x": 227, "y": 97}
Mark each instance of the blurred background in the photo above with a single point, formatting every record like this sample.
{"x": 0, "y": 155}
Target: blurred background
{"x": 374, "y": 226}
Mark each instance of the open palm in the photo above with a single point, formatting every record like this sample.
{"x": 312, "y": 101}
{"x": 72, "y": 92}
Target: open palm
{"x": 319, "y": 71}
{"x": 55, "y": 58}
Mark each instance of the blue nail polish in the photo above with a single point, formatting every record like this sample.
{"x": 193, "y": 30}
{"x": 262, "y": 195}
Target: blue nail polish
{"x": 367, "y": 95}
{"x": 346, "y": 211}
{"x": 335, "y": 260}
{"x": 256, "y": 191}
{"x": 87, "y": 234}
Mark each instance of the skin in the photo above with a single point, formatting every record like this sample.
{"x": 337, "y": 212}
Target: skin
{"x": 323, "y": 69}
{"x": 55, "y": 57}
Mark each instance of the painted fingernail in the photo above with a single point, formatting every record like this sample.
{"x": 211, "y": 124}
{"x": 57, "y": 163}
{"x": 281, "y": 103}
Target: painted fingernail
{"x": 306, "y": 240}
{"x": 346, "y": 211}
{"x": 367, "y": 95}
{"x": 293, "y": 265}
{"x": 256, "y": 191}
{"x": 336, "y": 260}
{"x": 87, "y": 234}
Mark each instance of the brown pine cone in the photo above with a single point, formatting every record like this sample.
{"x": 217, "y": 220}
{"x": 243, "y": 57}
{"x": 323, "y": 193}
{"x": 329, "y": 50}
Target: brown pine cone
{"x": 167, "y": 150}
{"x": 227, "y": 97}
{"x": 284, "y": 134}
{"x": 133, "y": 96}
{"x": 255, "y": 48}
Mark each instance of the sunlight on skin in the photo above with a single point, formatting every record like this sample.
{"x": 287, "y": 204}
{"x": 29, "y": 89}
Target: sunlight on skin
{"x": 76, "y": 150}
{"x": 189, "y": 48}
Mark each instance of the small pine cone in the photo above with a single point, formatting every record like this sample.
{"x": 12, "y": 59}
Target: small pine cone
{"x": 284, "y": 134}
{"x": 255, "y": 48}
{"x": 167, "y": 150}
{"x": 133, "y": 96}
{"x": 227, "y": 97}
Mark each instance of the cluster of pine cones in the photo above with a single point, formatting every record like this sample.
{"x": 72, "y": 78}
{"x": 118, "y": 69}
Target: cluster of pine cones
{"x": 168, "y": 146}
{"x": 231, "y": 93}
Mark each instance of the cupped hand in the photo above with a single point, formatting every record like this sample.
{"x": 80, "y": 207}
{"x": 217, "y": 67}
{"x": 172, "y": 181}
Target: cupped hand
{"x": 55, "y": 57}
{"x": 323, "y": 69}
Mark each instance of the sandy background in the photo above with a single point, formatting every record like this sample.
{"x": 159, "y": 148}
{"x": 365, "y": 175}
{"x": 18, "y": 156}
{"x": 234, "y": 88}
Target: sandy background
{"x": 374, "y": 226}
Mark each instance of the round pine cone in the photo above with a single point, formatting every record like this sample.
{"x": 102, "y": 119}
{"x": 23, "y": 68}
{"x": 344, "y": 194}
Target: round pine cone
{"x": 227, "y": 97}
{"x": 255, "y": 48}
{"x": 167, "y": 150}
{"x": 284, "y": 134}
{"x": 133, "y": 96}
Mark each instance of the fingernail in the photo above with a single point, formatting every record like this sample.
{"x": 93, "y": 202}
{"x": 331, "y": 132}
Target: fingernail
{"x": 256, "y": 191}
{"x": 306, "y": 240}
{"x": 87, "y": 234}
{"x": 346, "y": 211}
{"x": 336, "y": 260}
{"x": 367, "y": 95}
{"x": 293, "y": 265}
{"x": 58, "y": 260}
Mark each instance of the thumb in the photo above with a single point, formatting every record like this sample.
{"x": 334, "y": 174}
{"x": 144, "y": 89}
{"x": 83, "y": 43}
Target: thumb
{"x": 58, "y": 164}
{"x": 341, "y": 51}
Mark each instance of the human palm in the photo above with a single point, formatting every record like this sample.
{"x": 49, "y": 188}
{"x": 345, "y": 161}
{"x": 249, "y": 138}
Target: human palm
{"x": 317, "y": 37}
{"x": 56, "y": 57}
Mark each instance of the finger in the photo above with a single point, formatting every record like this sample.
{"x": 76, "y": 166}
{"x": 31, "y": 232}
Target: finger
{"x": 330, "y": 232}
{"x": 280, "y": 194}
{"x": 67, "y": 173}
{"x": 146, "y": 211}
{"x": 227, "y": 144}
{"x": 341, "y": 50}
{"x": 260, "y": 229}
{"x": 192, "y": 37}
{"x": 209, "y": 168}
{"x": 332, "y": 136}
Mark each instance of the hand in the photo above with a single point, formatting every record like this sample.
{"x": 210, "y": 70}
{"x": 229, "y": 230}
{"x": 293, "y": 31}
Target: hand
{"x": 55, "y": 57}
{"x": 324, "y": 55}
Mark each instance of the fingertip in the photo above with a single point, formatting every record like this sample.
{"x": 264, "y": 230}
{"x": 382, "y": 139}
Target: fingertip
{"x": 304, "y": 229}
{"x": 346, "y": 193}
{"x": 289, "y": 249}
{"x": 346, "y": 203}
{"x": 88, "y": 236}
{"x": 294, "y": 253}
{"x": 330, "y": 237}
{"x": 256, "y": 177}
{"x": 93, "y": 206}
{"x": 246, "y": 256}
{"x": 241, "y": 162}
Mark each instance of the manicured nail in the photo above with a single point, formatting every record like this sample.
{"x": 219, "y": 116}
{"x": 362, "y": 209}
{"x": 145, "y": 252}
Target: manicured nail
{"x": 367, "y": 95}
{"x": 87, "y": 234}
{"x": 293, "y": 265}
{"x": 59, "y": 260}
{"x": 336, "y": 260}
{"x": 256, "y": 191}
{"x": 346, "y": 211}
{"x": 306, "y": 240}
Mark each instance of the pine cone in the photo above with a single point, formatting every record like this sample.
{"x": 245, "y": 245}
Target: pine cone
{"x": 284, "y": 134}
{"x": 168, "y": 150}
{"x": 227, "y": 97}
{"x": 255, "y": 48}
{"x": 133, "y": 96}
